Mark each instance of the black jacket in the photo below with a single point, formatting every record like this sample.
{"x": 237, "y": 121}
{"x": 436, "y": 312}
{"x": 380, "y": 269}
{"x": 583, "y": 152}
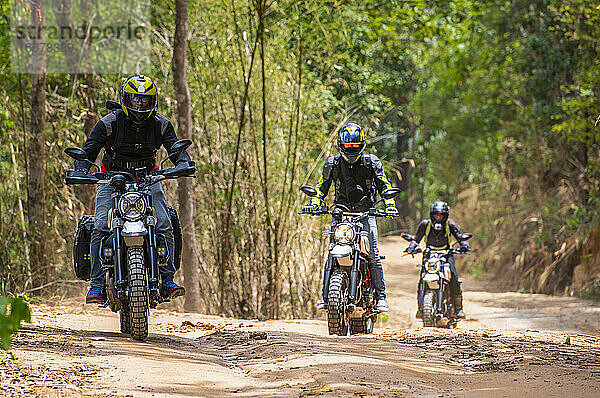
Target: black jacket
{"x": 367, "y": 173}
{"x": 128, "y": 146}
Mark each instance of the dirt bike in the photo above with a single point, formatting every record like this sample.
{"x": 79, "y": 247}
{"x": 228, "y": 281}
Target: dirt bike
{"x": 131, "y": 254}
{"x": 434, "y": 285}
{"x": 351, "y": 305}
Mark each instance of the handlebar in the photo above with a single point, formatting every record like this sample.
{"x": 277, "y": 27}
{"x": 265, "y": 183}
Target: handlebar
{"x": 358, "y": 216}
{"x": 449, "y": 251}
{"x": 74, "y": 177}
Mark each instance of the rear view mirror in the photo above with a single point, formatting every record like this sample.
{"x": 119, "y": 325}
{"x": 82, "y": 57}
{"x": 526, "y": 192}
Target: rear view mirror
{"x": 112, "y": 105}
{"x": 466, "y": 236}
{"x": 77, "y": 153}
{"x": 180, "y": 146}
{"x": 310, "y": 191}
{"x": 390, "y": 193}
{"x": 407, "y": 237}
{"x": 177, "y": 149}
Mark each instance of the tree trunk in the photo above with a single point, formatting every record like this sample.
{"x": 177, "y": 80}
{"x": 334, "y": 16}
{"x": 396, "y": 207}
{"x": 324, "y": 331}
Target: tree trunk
{"x": 88, "y": 192}
{"x": 402, "y": 137}
{"x": 273, "y": 288}
{"x": 37, "y": 153}
{"x": 191, "y": 267}
{"x": 64, "y": 18}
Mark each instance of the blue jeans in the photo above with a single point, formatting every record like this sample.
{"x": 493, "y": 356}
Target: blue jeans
{"x": 375, "y": 267}
{"x": 163, "y": 225}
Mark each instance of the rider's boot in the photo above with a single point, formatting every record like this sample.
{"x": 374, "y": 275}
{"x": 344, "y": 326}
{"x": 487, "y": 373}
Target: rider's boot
{"x": 458, "y": 306}
{"x": 382, "y": 305}
{"x": 96, "y": 295}
{"x": 170, "y": 289}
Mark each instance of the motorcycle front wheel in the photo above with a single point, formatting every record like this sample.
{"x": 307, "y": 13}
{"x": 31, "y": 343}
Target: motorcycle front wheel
{"x": 337, "y": 319}
{"x": 429, "y": 307}
{"x": 138, "y": 293}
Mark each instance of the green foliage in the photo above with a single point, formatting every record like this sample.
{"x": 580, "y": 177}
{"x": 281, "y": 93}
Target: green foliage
{"x": 591, "y": 293}
{"x": 12, "y": 312}
{"x": 477, "y": 270}
{"x": 492, "y": 97}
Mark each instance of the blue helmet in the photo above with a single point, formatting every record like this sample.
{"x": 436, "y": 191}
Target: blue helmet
{"x": 351, "y": 142}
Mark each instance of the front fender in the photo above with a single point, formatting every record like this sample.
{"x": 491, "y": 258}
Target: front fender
{"x": 133, "y": 233}
{"x": 342, "y": 253}
{"x": 431, "y": 277}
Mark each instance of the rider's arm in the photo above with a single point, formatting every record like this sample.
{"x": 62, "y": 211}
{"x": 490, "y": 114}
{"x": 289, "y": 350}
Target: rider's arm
{"x": 455, "y": 230}
{"x": 420, "y": 233}
{"x": 92, "y": 146}
{"x": 324, "y": 182}
{"x": 381, "y": 182}
{"x": 168, "y": 139}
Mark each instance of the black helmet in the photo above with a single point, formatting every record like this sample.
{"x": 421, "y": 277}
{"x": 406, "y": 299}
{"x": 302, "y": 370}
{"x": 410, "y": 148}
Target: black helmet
{"x": 439, "y": 207}
{"x": 351, "y": 142}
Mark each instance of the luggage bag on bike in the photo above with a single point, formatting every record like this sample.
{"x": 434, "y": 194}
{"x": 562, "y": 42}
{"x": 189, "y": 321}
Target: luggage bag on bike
{"x": 81, "y": 248}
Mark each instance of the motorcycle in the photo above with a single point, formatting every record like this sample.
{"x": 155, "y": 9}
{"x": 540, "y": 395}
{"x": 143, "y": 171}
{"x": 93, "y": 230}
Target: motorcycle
{"x": 351, "y": 305}
{"x": 133, "y": 251}
{"x": 434, "y": 285}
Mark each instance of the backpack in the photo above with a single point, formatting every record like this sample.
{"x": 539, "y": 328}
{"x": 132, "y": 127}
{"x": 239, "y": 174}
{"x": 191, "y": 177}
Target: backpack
{"x": 81, "y": 248}
{"x": 447, "y": 232}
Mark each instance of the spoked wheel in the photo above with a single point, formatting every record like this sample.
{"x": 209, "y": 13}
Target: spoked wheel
{"x": 337, "y": 319}
{"x": 429, "y": 308}
{"x": 138, "y": 293}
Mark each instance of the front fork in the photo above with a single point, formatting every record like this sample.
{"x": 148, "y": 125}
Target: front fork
{"x": 153, "y": 262}
{"x": 353, "y": 279}
{"x": 441, "y": 295}
{"x": 120, "y": 263}
{"x": 421, "y": 293}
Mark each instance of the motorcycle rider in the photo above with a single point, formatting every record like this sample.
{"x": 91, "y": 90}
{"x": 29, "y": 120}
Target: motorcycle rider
{"x": 354, "y": 171}
{"x": 130, "y": 137}
{"x": 437, "y": 232}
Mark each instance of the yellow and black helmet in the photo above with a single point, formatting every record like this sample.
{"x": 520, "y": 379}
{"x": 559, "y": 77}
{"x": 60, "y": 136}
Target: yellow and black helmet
{"x": 139, "y": 98}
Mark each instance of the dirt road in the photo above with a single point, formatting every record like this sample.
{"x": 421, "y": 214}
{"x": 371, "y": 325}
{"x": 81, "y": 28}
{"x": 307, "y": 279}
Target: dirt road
{"x": 512, "y": 345}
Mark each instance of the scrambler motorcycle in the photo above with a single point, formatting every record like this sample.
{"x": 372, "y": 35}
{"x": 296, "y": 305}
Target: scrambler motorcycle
{"x": 434, "y": 285}
{"x": 351, "y": 304}
{"x": 131, "y": 254}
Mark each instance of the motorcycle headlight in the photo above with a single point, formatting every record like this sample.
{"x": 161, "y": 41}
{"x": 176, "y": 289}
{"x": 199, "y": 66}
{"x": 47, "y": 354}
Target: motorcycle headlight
{"x": 433, "y": 265}
{"x": 132, "y": 206}
{"x": 344, "y": 233}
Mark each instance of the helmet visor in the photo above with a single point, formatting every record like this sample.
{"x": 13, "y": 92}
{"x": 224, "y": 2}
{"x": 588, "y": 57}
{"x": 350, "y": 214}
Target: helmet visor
{"x": 352, "y": 148}
{"x": 139, "y": 102}
{"x": 438, "y": 216}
